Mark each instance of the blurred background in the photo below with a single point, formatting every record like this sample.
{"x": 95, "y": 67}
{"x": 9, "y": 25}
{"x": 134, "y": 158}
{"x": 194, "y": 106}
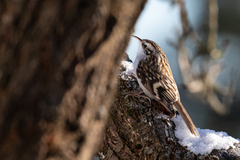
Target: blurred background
{"x": 202, "y": 42}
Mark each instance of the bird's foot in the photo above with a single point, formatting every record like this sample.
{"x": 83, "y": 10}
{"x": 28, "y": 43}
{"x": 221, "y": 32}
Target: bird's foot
{"x": 138, "y": 94}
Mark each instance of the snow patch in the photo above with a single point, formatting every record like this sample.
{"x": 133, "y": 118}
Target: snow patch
{"x": 208, "y": 140}
{"x": 128, "y": 66}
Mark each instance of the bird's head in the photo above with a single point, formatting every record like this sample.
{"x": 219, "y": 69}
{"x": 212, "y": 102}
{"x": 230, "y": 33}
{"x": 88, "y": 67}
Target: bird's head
{"x": 148, "y": 47}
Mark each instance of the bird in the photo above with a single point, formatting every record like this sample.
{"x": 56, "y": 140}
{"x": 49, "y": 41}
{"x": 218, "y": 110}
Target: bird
{"x": 154, "y": 76}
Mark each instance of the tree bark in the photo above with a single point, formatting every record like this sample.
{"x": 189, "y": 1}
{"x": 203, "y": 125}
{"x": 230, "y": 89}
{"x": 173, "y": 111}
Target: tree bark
{"x": 139, "y": 129}
{"x": 58, "y": 68}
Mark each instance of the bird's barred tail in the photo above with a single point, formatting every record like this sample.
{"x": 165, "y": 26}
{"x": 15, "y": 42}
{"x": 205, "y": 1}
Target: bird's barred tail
{"x": 188, "y": 121}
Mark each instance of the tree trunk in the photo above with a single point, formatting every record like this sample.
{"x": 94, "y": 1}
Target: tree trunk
{"x": 139, "y": 129}
{"x": 58, "y": 68}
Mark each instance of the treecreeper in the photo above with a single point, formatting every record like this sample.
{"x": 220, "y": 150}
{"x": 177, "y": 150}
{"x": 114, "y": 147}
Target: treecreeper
{"x": 154, "y": 76}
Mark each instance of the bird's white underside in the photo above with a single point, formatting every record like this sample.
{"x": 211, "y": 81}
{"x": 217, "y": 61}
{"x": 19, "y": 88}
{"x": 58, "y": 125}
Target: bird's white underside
{"x": 140, "y": 55}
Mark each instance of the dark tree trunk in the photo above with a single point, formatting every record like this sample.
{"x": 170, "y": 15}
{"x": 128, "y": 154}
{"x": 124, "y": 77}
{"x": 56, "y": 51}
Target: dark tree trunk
{"x": 59, "y": 60}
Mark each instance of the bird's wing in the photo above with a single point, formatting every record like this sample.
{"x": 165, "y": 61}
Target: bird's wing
{"x": 165, "y": 88}
{"x": 161, "y": 86}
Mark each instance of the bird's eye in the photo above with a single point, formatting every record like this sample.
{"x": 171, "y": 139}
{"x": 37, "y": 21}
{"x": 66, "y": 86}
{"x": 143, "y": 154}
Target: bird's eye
{"x": 144, "y": 46}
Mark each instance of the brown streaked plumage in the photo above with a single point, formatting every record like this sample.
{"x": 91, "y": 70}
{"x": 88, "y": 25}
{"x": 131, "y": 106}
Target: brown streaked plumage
{"x": 155, "y": 77}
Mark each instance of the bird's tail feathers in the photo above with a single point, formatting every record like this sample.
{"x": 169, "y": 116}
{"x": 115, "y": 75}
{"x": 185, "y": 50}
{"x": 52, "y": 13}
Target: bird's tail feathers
{"x": 188, "y": 121}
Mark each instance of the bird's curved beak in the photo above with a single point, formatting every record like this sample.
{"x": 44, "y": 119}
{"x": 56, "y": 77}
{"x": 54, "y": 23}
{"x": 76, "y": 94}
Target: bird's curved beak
{"x": 140, "y": 40}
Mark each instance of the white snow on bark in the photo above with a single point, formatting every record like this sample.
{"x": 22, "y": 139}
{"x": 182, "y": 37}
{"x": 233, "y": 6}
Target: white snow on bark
{"x": 208, "y": 140}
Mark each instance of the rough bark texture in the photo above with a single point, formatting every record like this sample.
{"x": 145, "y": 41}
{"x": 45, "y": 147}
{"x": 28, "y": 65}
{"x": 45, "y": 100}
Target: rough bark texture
{"x": 59, "y": 59}
{"x": 139, "y": 129}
